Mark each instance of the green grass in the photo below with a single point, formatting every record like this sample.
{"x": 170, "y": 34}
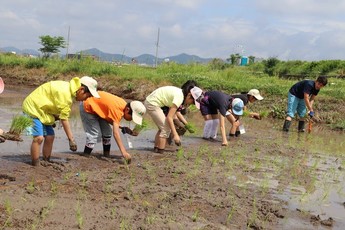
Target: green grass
{"x": 230, "y": 79}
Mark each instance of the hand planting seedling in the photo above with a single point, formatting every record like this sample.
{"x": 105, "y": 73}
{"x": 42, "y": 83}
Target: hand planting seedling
{"x": 138, "y": 128}
{"x": 18, "y": 125}
{"x": 190, "y": 127}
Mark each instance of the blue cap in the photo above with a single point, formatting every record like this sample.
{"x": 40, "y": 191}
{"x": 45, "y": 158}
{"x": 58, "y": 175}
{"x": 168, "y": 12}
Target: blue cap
{"x": 237, "y": 106}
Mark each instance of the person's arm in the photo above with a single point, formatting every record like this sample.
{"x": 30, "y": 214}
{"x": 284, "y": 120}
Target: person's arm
{"x": 222, "y": 130}
{"x": 181, "y": 118}
{"x": 117, "y": 137}
{"x": 68, "y": 131}
{"x": 309, "y": 101}
{"x": 255, "y": 115}
{"x": 170, "y": 120}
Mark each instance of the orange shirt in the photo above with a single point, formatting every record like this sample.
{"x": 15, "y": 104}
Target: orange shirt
{"x": 109, "y": 107}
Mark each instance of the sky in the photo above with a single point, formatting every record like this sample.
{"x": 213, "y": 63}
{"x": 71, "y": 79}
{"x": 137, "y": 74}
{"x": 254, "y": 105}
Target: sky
{"x": 308, "y": 30}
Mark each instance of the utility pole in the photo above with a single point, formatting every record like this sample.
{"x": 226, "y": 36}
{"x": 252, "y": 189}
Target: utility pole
{"x": 157, "y": 45}
{"x": 67, "y": 42}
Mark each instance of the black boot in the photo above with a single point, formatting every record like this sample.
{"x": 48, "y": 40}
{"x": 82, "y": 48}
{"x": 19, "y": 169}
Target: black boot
{"x": 87, "y": 150}
{"x": 286, "y": 126}
{"x": 238, "y": 133}
{"x": 106, "y": 150}
{"x": 301, "y": 126}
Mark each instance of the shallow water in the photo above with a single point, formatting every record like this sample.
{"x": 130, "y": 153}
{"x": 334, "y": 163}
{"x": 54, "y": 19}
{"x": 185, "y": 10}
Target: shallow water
{"x": 321, "y": 151}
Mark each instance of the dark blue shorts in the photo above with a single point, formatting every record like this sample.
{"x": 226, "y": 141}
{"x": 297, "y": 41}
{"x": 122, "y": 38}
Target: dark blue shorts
{"x": 207, "y": 110}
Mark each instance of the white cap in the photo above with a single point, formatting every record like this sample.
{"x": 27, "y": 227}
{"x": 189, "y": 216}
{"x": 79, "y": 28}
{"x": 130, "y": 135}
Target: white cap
{"x": 196, "y": 93}
{"x": 2, "y": 85}
{"x": 91, "y": 84}
{"x": 138, "y": 111}
{"x": 237, "y": 106}
{"x": 255, "y": 93}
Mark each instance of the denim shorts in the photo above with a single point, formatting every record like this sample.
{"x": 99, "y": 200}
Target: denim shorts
{"x": 294, "y": 105}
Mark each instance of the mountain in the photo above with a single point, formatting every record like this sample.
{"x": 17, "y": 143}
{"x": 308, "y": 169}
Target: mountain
{"x": 10, "y": 49}
{"x": 143, "y": 59}
{"x": 146, "y": 59}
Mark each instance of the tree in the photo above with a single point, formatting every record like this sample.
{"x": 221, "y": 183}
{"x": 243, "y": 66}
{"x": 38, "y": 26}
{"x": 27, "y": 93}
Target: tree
{"x": 51, "y": 45}
{"x": 234, "y": 59}
{"x": 251, "y": 59}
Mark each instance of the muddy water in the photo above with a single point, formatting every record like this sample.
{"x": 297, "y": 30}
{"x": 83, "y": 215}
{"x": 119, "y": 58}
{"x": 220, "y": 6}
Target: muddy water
{"x": 321, "y": 152}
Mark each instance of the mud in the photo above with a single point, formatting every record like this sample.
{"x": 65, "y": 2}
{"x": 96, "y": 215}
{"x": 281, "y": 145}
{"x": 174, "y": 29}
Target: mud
{"x": 265, "y": 179}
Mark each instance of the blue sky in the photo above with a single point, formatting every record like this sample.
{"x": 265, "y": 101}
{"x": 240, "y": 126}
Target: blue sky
{"x": 289, "y": 30}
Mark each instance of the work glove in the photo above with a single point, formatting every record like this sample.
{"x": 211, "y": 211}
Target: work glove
{"x": 311, "y": 114}
{"x": 72, "y": 145}
{"x": 125, "y": 130}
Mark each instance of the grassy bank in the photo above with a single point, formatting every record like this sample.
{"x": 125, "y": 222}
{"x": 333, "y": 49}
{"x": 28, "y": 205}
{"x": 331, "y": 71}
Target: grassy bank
{"x": 136, "y": 82}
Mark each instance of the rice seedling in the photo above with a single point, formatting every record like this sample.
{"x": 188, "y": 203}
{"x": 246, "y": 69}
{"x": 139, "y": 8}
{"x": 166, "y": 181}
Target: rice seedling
{"x": 113, "y": 212}
{"x": 30, "y": 188}
{"x": 195, "y": 216}
{"x": 53, "y": 188}
{"x": 8, "y": 213}
{"x": 253, "y": 215}
{"x": 138, "y": 128}
{"x": 264, "y": 114}
{"x": 125, "y": 224}
{"x": 18, "y": 124}
{"x": 79, "y": 216}
{"x": 180, "y": 154}
{"x": 150, "y": 219}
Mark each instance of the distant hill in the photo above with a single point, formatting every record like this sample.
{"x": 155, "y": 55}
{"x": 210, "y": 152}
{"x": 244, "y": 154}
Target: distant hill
{"x": 147, "y": 59}
{"x": 18, "y": 51}
{"x": 143, "y": 59}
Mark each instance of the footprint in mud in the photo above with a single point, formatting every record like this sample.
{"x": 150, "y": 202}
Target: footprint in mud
{"x": 6, "y": 178}
{"x": 56, "y": 165}
{"x": 317, "y": 220}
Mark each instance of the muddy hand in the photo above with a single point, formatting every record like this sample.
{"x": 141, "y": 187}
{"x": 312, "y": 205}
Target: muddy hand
{"x": 73, "y": 146}
{"x": 125, "y": 130}
{"x": 2, "y": 139}
{"x": 177, "y": 141}
{"x": 128, "y": 158}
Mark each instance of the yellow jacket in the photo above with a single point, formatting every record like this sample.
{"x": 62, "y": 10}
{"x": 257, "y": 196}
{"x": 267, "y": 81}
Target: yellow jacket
{"x": 52, "y": 99}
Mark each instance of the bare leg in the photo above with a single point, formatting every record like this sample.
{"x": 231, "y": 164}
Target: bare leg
{"x": 157, "y": 139}
{"x": 162, "y": 142}
{"x": 48, "y": 146}
{"x": 35, "y": 149}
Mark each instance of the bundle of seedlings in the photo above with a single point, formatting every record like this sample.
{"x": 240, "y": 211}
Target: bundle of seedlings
{"x": 138, "y": 128}
{"x": 18, "y": 125}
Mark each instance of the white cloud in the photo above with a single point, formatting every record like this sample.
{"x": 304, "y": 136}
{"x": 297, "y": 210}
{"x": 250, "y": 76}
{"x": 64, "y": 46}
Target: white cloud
{"x": 307, "y": 29}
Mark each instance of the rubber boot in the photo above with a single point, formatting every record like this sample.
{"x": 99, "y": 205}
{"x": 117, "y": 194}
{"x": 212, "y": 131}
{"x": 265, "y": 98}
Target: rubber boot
{"x": 301, "y": 125}
{"x": 106, "y": 150}
{"x": 286, "y": 126}
{"x": 87, "y": 151}
{"x": 238, "y": 133}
